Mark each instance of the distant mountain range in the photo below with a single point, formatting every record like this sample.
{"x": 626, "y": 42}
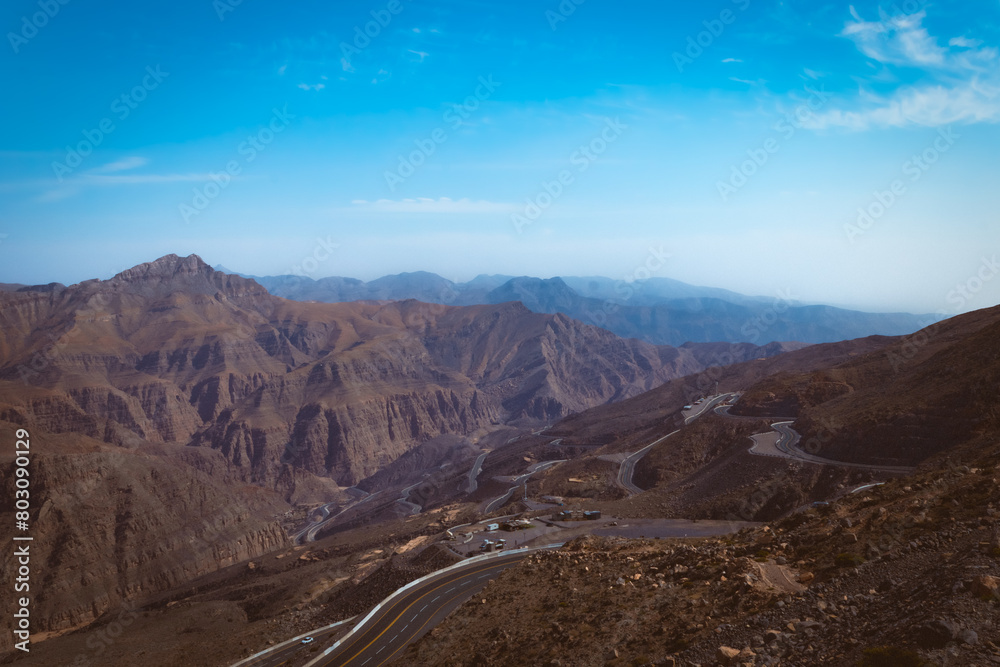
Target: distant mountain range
{"x": 661, "y": 311}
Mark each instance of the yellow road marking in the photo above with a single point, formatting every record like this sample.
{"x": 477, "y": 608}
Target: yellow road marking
{"x": 407, "y": 608}
{"x": 405, "y": 644}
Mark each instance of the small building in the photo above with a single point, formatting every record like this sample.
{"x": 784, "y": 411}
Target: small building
{"x": 577, "y": 515}
{"x": 490, "y": 527}
{"x": 517, "y": 524}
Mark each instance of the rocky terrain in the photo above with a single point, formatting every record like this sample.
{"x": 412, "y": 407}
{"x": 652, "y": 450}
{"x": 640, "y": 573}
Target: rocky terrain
{"x": 178, "y": 413}
{"x": 174, "y": 392}
{"x": 175, "y": 352}
{"x": 111, "y": 526}
{"x": 901, "y": 574}
{"x": 224, "y": 615}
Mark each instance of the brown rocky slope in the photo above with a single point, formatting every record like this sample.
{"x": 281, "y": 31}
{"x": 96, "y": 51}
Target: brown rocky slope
{"x": 174, "y": 411}
{"x": 175, "y": 352}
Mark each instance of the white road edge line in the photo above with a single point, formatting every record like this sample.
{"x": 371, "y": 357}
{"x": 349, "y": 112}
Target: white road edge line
{"x": 412, "y": 584}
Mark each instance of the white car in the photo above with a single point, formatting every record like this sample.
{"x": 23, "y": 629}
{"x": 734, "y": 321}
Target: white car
{"x": 307, "y": 640}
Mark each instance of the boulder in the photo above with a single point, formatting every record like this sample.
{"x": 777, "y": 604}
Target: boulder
{"x": 985, "y": 586}
{"x": 935, "y": 634}
{"x": 968, "y": 636}
{"x": 727, "y": 655}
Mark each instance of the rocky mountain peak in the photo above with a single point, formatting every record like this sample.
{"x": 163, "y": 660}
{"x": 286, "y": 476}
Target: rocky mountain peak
{"x": 167, "y": 266}
{"x": 538, "y": 294}
{"x": 191, "y": 274}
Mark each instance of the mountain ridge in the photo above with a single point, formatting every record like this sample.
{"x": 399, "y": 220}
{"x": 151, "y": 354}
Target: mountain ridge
{"x": 661, "y": 311}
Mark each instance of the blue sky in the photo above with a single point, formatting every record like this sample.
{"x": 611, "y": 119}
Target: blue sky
{"x": 833, "y": 152}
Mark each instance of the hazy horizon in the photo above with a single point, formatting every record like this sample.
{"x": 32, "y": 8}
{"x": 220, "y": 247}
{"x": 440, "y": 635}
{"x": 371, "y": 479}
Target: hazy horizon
{"x": 841, "y": 154}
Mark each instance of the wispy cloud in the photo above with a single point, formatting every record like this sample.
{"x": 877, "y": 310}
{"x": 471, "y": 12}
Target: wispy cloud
{"x": 961, "y": 81}
{"x": 732, "y": 60}
{"x": 120, "y": 165}
{"x": 899, "y": 40}
{"x": 965, "y": 42}
{"x": 110, "y": 175}
{"x": 429, "y": 205}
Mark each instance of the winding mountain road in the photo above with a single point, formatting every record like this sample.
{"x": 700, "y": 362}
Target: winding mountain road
{"x": 413, "y": 610}
{"x": 497, "y": 503}
{"x": 477, "y": 468}
{"x": 627, "y": 468}
{"x": 783, "y": 442}
{"x": 308, "y": 534}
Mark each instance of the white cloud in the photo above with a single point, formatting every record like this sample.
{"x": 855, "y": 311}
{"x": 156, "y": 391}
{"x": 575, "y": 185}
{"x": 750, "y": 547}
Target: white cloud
{"x": 731, "y": 60}
{"x": 120, "y": 165}
{"x": 898, "y": 40}
{"x": 138, "y": 179}
{"x": 429, "y": 205}
{"x": 961, "y": 82}
{"x": 313, "y": 86}
{"x": 108, "y": 174}
{"x": 965, "y": 42}
{"x": 927, "y": 106}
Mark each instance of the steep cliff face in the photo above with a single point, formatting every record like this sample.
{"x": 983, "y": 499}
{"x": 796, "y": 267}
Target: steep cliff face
{"x": 175, "y": 412}
{"x": 111, "y": 525}
{"x": 175, "y": 352}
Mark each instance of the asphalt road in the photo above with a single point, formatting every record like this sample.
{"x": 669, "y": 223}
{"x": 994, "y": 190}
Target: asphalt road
{"x": 627, "y": 468}
{"x": 309, "y": 532}
{"x": 404, "y": 499}
{"x": 477, "y": 468}
{"x": 787, "y": 446}
{"x": 706, "y": 406}
{"x": 497, "y": 503}
{"x": 277, "y": 655}
{"x": 411, "y": 615}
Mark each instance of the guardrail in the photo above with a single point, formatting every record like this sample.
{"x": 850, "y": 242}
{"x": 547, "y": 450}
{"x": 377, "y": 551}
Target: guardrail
{"x": 288, "y": 642}
{"x": 416, "y": 582}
